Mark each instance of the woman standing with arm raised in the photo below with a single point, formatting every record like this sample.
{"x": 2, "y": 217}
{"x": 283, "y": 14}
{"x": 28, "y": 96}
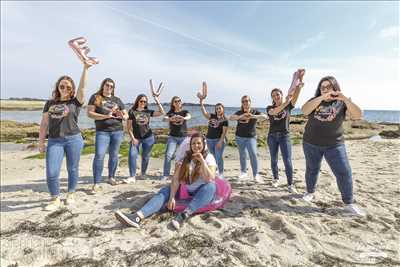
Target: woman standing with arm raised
{"x": 60, "y": 118}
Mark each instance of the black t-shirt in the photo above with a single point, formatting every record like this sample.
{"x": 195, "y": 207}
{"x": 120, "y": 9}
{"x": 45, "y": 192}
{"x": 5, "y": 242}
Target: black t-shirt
{"x": 141, "y": 122}
{"x": 63, "y": 117}
{"x": 107, "y": 105}
{"x": 324, "y": 125}
{"x": 215, "y": 126}
{"x": 177, "y": 129}
{"x": 279, "y": 123}
{"x": 246, "y": 128}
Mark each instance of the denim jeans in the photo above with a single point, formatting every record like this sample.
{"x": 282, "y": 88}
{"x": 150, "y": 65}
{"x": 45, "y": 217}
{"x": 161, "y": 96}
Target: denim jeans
{"x": 104, "y": 141}
{"x": 282, "y": 141}
{"x": 336, "y": 157}
{"x": 217, "y": 153}
{"x": 172, "y": 143}
{"x": 201, "y": 197}
{"x": 56, "y": 147}
{"x": 248, "y": 144}
{"x": 147, "y": 144}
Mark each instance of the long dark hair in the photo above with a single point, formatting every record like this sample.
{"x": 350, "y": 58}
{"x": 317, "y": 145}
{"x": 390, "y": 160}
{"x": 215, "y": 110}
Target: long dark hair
{"x": 215, "y": 109}
{"x": 275, "y": 90}
{"x": 171, "y": 106}
{"x": 99, "y": 93}
{"x": 136, "y": 104}
{"x": 56, "y": 93}
{"x": 184, "y": 170}
{"x": 331, "y": 80}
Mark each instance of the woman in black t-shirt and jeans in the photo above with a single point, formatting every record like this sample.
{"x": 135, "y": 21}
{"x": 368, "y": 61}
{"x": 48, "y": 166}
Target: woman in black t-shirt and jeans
{"x": 138, "y": 127}
{"x": 60, "y": 118}
{"x": 216, "y": 132}
{"x": 278, "y": 134}
{"x": 323, "y": 137}
{"x": 177, "y": 118}
{"x": 108, "y": 111}
{"x": 246, "y": 138}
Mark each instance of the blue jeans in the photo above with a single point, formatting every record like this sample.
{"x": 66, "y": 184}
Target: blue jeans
{"x": 248, "y": 144}
{"x": 282, "y": 141}
{"x": 56, "y": 147}
{"x": 147, "y": 144}
{"x": 201, "y": 197}
{"x": 172, "y": 143}
{"x": 104, "y": 141}
{"x": 336, "y": 157}
{"x": 217, "y": 153}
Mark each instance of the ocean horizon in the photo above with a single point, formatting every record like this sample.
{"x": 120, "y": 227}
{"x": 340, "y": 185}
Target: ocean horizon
{"x": 378, "y": 116}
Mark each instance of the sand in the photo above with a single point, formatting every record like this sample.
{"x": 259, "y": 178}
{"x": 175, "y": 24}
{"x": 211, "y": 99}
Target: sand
{"x": 260, "y": 226}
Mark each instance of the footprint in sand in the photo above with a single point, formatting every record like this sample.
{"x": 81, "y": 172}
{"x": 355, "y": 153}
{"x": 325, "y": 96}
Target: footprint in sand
{"x": 278, "y": 223}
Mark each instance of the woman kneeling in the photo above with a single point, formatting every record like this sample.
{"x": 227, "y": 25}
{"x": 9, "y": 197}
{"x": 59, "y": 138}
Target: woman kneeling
{"x": 197, "y": 171}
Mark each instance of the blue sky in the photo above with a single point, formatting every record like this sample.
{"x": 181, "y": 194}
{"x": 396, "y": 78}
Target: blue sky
{"x": 237, "y": 47}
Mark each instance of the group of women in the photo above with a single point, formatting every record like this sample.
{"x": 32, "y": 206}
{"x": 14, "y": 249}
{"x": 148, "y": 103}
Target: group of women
{"x": 202, "y": 160}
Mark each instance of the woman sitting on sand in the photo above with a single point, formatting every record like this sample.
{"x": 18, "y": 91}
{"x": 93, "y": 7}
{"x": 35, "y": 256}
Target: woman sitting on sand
{"x": 138, "y": 126}
{"x": 177, "y": 118}
{"x": 216, "y": 132}
{"x": 197, "y": 171}
{"x": 108, "y": 111}
{"x": 60, "y": 118}
{"x": 246, "y": 138}
{"x": 278, "y": 134}
{"x": 323, "y": 137}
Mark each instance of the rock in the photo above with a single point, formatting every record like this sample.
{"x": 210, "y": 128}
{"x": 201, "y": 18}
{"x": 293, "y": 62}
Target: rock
{"x": 390, "y": 134}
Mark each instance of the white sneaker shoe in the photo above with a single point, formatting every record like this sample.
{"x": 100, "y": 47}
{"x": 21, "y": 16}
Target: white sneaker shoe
{"x": 242, "y": 175}
{"x": 258, "y": 179}
{"x": 308, "y": 197}
{"x": 275, "y": 183}
{"x": 292, "y": 189}
{"x": 70, "y": 198}
{"x": 54, "y": 204}
{"x": 129, "y": 180}
{"x": 354, "y": 210}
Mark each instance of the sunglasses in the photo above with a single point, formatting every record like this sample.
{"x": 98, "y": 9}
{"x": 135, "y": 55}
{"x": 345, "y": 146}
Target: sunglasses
{"x": 63, "y": 87}
{"x": 326, "y": 87}
{"x": 142, "y": 101}
{"x": 177, "y": 101}
{"x": 109, "y": 85}
{"x": 245, "y": 101}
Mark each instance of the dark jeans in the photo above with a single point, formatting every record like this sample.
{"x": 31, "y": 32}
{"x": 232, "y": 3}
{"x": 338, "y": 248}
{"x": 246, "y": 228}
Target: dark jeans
{"x": 336, "y": 157}
{"x": 282, "y": 141}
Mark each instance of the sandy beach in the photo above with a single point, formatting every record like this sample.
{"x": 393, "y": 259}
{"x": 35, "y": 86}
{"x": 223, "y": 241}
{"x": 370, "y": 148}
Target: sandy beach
{"x": 260, "y": 226}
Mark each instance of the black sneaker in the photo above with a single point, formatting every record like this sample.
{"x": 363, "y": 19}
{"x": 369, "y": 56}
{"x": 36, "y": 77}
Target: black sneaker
{"x": 132, "y": 220}
{"x": 179, "y": 219}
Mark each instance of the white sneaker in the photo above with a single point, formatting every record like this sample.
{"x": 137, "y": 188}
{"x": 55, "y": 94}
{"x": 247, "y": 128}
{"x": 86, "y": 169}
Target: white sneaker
{"x": 308, "y": 197}
{"x": 275, "y": 183}
{"x": 292, "y": 189}
{"x": 54, "y": 204}
{"x": 258, "y": 179}
{"x": 354, "y": 210}
{"x": 221, "y": 176}
{"x": 70, "y": 198}
{"x": 243, "y": 175}
{"x": 129, "y": 180}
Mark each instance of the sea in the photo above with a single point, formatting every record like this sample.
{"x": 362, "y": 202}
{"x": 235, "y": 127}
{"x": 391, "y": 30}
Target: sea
{"x": 389, "y": 116}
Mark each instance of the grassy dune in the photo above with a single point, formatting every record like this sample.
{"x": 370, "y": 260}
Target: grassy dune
{"x": 21, "y": 105}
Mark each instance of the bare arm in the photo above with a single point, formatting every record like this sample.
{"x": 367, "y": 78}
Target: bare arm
{"x": 296, "y": 94}
{"x": 130, "y": 130}
{"x": 96, "y": 116}
{"x": 175, "y": 182}
{"x": 224, "y": 131}
{"x": 160, "y": 111}
{"x": 311, "y": 105}
{"x": 354, "y": 110}
{"x": 80, "y": 95}
{"x": 275, "y": 111}
{"x": 203, "y": 109}
{"x": 42, "y": 131}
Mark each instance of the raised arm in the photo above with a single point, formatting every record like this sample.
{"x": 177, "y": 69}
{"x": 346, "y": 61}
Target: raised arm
{"x": 296, "y": 94}
{"x": 160, "y": 111}
{"x": 276, "y": 110}
{"x": 203, "y": 109}
{"x": 80, "y": 95}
